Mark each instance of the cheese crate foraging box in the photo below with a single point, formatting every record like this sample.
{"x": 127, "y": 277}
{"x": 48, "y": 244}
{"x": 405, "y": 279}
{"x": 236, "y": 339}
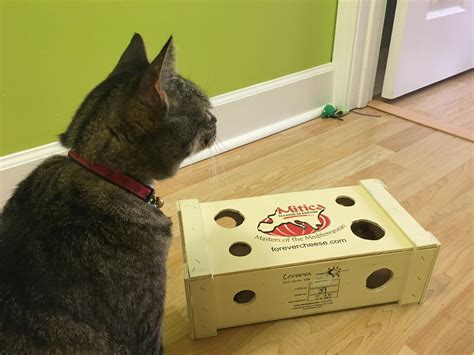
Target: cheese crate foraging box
{"x": 301, "y": 253}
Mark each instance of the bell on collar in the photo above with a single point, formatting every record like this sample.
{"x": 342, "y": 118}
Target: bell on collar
{"x": 155, "y": 200}
{"x": 159, "y": 201}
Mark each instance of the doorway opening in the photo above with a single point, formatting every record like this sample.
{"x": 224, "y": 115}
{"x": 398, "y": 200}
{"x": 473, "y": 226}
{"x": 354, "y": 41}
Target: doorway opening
{"x": 384, "y": 46}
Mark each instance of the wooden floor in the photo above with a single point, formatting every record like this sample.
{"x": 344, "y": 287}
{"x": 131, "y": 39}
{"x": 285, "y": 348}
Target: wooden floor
{"x": 429, "y": 172}
{"x": 451, "y": 100}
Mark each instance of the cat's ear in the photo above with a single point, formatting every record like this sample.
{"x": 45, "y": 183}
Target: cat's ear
{"x": 160, "y": 71}
{"x": 134, "y": 56}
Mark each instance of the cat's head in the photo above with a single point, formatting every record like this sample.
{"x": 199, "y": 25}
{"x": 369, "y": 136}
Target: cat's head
{"x": 144, "y": 118}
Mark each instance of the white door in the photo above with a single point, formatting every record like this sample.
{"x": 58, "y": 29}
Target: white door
{"x": 431, "y": 41}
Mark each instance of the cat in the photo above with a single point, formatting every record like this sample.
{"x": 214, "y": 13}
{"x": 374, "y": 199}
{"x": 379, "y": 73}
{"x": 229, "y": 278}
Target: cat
{"x": 83, "y": 260}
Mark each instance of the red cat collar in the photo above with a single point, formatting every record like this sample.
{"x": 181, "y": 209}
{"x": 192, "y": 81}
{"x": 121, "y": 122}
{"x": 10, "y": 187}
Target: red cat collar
{"x": 142, "y": 191}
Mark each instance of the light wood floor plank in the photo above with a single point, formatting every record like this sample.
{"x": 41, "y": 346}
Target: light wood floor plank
{"x": 455, "y": 339}
{"x": 407, "y": 137}
{"x": 447, "y": 106}
{"x": 450, "y": 100}
{"x": 437, "y": 123}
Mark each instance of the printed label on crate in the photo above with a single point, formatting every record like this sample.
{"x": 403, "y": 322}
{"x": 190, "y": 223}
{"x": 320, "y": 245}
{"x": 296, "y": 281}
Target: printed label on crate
{"x": 313, "y": 290}
{"x": 295, "y": 221}
{"x": 298, "y": 223}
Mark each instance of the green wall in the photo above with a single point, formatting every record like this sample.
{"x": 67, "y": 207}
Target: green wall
{"x": 54, "y": 52}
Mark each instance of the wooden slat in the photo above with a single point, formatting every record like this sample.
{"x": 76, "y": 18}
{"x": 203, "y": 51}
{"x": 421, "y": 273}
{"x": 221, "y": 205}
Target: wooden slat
{"x": 423, "y": 119}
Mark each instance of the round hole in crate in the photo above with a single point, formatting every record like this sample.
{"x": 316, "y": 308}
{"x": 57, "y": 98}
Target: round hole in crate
{"x": 345, "y": 201}
{"x": 229, "y": 218}
{"x": 244, "y": 296}
{"x": 367, "y": 230}
{"x": 240, "y": 249}
{"x": 378, "y": 278}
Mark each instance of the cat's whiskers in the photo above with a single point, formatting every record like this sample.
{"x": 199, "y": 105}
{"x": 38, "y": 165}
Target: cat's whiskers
{"x": 212, "y": 168}
{"x": 214, "y": 178}
{"x": 208, "y": 84}
{"x": 224, "y": 149}
{"x": 216, "y": 182}
{"x": 218, "y": 159}
{"x": 192, "y": 169}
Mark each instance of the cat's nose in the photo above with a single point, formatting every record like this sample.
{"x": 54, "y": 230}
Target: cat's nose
{"x": 211, "y": 115}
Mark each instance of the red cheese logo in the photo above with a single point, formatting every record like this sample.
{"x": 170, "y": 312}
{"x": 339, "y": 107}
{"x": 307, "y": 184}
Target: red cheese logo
{"x": 295, "y": 221}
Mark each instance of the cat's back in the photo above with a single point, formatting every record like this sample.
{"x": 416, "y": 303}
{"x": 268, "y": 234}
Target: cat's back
{"x": 34, "y": 194}
{"x": 58, "y": 196}
{"x": 67, "y": 237}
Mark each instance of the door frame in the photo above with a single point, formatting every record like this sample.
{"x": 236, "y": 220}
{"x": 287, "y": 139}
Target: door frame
{"x": 359, "y": 27}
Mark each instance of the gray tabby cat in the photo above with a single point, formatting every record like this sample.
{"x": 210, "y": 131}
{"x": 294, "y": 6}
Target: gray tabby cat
{"x": 82, "y": 261}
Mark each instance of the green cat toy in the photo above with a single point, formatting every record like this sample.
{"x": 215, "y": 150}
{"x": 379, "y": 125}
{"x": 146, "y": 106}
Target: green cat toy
{"x": 331, "y": 111}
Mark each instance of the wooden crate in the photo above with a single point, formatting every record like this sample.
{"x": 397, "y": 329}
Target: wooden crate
{"x": 300, "y": 253}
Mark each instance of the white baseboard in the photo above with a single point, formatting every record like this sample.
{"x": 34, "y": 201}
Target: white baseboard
{"x": 244, "y": 116}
